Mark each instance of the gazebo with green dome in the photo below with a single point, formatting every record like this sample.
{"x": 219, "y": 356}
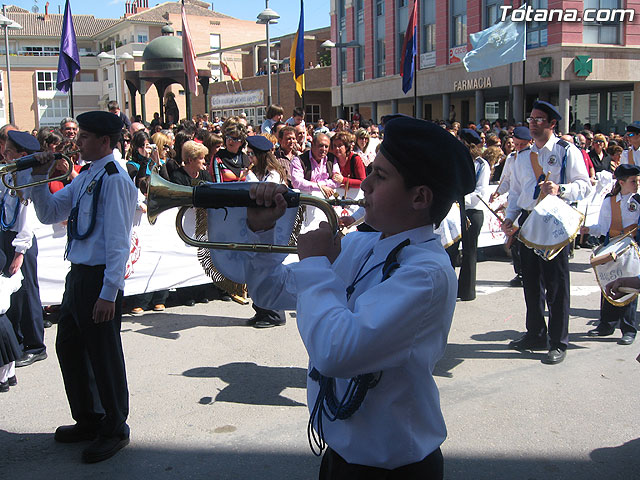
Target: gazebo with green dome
{"x": 163, "y": 66}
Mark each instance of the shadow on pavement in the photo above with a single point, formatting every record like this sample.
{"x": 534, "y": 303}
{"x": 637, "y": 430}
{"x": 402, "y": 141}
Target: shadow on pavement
{"x": 35, "y": 455}
{"x": 169, "y": 325}
{"x": 242, "y": 377}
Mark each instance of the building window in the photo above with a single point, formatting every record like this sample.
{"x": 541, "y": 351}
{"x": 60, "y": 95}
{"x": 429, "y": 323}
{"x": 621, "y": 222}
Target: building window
{"x": 379, "y": 44}
{"x": 52, "y": 110}
{"x": 143, "y": 38}
{"x": 428, "y": 43}
{"x": 537, "y": 31}
{"x": 602, "y": 32}
{"x": 458, "y": 22}
{"x": 402, "y": 21}
{"x": 312, "y": 113}
{"x": 492, "y": 12}
{"x": 37, "y": 51}
{"x": 359, "y": 36}
{"x": 46, "y": 81}
{"x": 491, "y": 110}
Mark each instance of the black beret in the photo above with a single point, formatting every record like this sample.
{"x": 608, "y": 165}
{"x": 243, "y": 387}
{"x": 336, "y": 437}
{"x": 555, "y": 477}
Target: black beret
{"x": 260, "y": 143}
{"x": 99, "y": 122}
{"x": 634, "y": 127}
{"x": 522, "y": 133}
{"x": 547, "y": 108}
{"x": 626, "y": 170}
{"x": 469, "y": 135}
{"x": 427, "y": 154}
{"x": 24, "y": 141}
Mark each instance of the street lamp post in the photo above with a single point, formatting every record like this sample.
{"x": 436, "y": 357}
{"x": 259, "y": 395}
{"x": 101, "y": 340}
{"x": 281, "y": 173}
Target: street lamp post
{"x": 266, "y": 17}
{"x": 115, "y": 58}
{"x": 7, "y": 23}
{"x": 277, "y": 62}
{"x": 340, "y": 45}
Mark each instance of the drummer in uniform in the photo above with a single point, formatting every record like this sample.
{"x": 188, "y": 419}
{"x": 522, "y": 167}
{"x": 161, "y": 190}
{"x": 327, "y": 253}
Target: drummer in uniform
{"x": 618, "y": 215}
{"x": 550, "y": 167}
{"x": 99, "y": 206}
{"x": 632, "y": 154}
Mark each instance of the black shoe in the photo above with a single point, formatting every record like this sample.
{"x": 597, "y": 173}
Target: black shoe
{"x": 226, "y": 298}
{"x": 47, "y": 323}
{"x": 530, "y": 342}
{"x": 265, "y": 321}
{"x": 4, "y": 387}
{"x": 190, "y": 303}
{"x": 627, "y": 339}
{"x": 554, "y": 356}
{"x": 598, "y": 332}
{"x": 12, "y": 381}
{"x": 103, "y": 448}
{"x": 203, "y": 300}
{"x": 516, "y": 281}
{"x": 30, "y": 358}
{"x": 74, "y": 434}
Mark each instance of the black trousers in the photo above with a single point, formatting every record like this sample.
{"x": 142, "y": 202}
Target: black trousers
{"x": 467, "y": 278}
{"x": 334, "y": 467}
{"x": 610, "y": 315}
{"x": 90, "y": 355}
{"x": 25, "y": 312}
{"x": 277, "y": 315}
{"x": 547, "y": 282}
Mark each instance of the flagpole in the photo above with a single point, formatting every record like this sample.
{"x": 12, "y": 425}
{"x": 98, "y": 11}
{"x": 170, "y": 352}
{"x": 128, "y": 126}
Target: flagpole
{"x": 415, "y": 85}
{"x": 71, "y": 101}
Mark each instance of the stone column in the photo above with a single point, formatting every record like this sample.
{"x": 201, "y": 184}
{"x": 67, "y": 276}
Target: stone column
{"x": 394, "y": 106}
{"x": 518, "y": 114}
{"x": 446, "y": 101}
{"x": 564, "y": 96}
{"x": 374, "y": 111}
{"x": 479, "y": 106}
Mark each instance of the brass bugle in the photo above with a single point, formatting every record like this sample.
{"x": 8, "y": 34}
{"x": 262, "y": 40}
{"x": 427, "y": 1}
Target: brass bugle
{"x": 164, "y": 195}
{"x": 30, "y": 161}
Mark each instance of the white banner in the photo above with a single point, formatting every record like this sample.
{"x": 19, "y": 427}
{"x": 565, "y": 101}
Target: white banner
{"x": 159, "y": 259}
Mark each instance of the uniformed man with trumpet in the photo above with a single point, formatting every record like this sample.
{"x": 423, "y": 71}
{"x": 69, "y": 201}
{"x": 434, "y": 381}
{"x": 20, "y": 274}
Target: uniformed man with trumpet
{"x": 550, "y": 167}
{"x": 99, "y": 205}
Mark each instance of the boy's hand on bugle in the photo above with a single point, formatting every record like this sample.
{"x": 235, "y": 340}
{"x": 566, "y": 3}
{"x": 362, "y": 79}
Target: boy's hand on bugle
{"x": 269, "y": 195}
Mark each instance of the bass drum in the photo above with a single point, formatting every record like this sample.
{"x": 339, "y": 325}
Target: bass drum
{"x": 619, "y": 258}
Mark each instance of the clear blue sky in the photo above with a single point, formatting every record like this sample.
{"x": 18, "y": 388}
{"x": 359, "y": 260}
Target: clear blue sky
{"x": 316, "y": 11}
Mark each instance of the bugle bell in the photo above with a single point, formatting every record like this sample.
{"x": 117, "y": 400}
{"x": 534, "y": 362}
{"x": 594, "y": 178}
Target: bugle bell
{"x": 163, "y": 195}
{"x": 30, "y": 161}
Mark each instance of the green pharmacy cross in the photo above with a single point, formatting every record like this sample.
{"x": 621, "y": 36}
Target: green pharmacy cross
{"x": 583, "y": 65}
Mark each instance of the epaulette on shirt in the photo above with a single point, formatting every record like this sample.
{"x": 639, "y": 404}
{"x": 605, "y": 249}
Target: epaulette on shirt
{"x": 111, "y": 168}
{"x": 563, "y": 143}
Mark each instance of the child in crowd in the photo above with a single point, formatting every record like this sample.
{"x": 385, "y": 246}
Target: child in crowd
{"x": 10, "y": 350}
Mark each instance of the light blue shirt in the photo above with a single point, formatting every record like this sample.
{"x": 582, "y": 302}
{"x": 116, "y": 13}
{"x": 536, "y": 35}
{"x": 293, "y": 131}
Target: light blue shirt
{"x": 110, "y": 242}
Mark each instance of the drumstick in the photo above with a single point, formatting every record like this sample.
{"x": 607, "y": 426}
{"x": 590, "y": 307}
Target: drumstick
{"x": 628, "y": 290}
{"x": 584, "y": 221}
{"x": 512, "y": 236}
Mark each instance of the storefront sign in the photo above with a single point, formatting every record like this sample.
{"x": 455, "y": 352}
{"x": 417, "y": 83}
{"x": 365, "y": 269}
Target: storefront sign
{"x": 427, "y": 60}
{"x": 240, "y": 99}
{"x": 472, "y": 84}
{"x": 456, "y": 54}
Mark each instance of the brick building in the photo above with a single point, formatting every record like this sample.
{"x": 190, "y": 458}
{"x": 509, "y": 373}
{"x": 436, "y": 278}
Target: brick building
{"x": 588, "y": 69}
{"x": 33, "y": 53}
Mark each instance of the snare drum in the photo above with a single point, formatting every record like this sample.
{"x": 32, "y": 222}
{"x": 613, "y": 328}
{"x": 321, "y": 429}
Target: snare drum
{"x": 449, "y": 229}
{"x": 550, "y": 226}
{"x": 619, "y": 258}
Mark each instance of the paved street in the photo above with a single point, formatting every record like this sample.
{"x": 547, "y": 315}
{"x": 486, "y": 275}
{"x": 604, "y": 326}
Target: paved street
{"x": 214, "y": 399}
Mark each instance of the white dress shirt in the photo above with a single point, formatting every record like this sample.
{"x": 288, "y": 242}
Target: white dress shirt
{"x": 523, "y": 180}
{"x": 630, "y": 210}
{"x": 483, "y": 174}
{"x": 25, "y": 220}
{"x": 635, "y": 155}
{"x": 505, "y": 177}
{"x": 110, "y": 242}
{"x": 399, "y": 326}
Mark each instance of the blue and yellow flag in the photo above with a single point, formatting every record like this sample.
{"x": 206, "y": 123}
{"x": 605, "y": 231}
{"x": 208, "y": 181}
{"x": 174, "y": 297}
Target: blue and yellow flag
{"x": 296, "y": 57}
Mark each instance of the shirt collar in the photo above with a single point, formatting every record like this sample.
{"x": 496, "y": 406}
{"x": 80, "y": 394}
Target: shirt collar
{"x": 383, "y": 246}
{"x": 547, "y": 146}
{"x": 101, "y": 162}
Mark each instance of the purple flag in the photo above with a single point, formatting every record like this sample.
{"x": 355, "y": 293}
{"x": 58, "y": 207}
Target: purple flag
{"x": 68, "y": 59}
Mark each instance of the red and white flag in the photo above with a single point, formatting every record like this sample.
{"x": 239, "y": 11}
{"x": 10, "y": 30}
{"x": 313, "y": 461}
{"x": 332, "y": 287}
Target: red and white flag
{"x": 189, "y": 55}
